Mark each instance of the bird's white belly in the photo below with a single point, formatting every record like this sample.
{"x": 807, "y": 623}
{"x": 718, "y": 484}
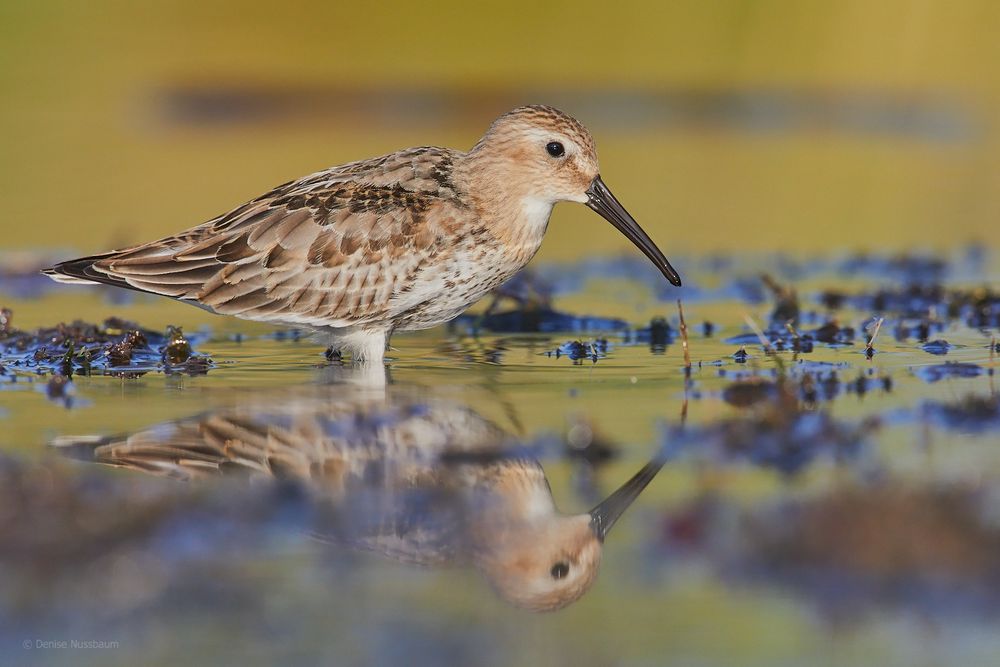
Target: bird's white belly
{"x": 444, "y": 292}
{"x": 475, "y": 266}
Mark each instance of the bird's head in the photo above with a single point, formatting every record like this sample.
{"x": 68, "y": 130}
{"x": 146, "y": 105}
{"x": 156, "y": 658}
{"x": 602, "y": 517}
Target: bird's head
{"x": 551, "y": 155}
{"x": 543, "y": 562}
{"x": 546, "y": 566}
{"x": 545, "y": 156}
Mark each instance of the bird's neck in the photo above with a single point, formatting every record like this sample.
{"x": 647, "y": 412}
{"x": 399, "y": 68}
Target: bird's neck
{"x": 504, "y": 201}
{"x": 514, "y": 492}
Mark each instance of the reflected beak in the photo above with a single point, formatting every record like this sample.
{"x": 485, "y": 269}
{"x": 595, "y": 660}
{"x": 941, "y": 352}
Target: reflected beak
{"x": 607, "y": 513}
{"x": 601, "y": 200}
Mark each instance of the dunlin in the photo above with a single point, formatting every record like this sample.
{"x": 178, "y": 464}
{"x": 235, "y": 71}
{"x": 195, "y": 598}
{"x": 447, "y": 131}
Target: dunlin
{"x": 396, "y": 243}
{"x": 418, "y": 481}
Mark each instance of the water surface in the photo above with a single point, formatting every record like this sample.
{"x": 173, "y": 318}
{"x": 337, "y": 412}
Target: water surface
{"x": 820, "y": 501}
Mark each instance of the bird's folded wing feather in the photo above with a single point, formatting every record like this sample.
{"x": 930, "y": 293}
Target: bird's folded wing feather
{"x": 330, "y": 249}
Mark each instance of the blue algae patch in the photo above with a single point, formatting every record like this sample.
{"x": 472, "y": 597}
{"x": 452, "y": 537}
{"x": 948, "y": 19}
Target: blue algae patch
{"x": 776, "y": 433}
{"x": 859, "y": 547}
{"x": 810, "y": 366}
{"x": 948, "y": 370}
{"x": 658, "y": 335}
{"x": 743, "y": 339}
{"x": 545, "y": 320}
{"x": 285, "y": 334}
{"x": 938, "y": 347}
{"x": 971, "y": 414}
{"x": 788, "y": 447}
{"x": 578, "y": 351}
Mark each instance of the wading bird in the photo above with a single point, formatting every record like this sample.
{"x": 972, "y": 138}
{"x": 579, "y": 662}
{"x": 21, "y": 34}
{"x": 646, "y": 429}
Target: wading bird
{"x": 396, "y": 243}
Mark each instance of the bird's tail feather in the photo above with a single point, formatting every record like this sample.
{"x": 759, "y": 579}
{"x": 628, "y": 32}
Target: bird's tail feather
{"x": 67, "y": 279}
{"x": 82, "y": 272}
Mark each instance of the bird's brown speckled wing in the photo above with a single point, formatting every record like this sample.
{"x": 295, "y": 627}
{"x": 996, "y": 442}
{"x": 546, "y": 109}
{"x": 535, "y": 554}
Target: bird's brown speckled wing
{"x": 330, "y": 249}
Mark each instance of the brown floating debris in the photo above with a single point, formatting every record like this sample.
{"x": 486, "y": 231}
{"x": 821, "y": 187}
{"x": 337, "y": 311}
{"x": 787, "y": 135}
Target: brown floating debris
{"x": 749, "y": 392}
{"x": 120, "y": 353}
{"x": 116, "y": 347}
{"x": 786, "y": 307}
{"x": 177, "y": 349}
{"x": 57, "y": 386}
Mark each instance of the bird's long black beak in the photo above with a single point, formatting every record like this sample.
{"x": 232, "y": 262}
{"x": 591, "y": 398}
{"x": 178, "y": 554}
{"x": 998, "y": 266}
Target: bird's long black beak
{"x": 601, "y": 200}
{"x": 611, "y": 508}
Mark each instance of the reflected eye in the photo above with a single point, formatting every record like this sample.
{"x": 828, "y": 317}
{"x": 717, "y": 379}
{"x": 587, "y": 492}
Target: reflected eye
{"x": 555, "y": 149}
{"x": 560, "y": 570}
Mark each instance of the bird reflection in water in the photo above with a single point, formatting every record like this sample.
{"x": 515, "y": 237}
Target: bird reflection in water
{"x": 417, "y": 480}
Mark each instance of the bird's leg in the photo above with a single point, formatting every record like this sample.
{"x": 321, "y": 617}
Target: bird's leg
{"x": 366, "y": 346}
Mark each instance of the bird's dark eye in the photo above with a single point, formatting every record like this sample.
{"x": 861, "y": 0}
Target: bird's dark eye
{"x": 560, "y": 570}
{"x": 555, "y": 149}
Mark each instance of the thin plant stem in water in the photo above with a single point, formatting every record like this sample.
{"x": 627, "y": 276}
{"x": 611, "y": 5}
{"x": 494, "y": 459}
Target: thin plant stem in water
{"x": 768, "y": 348}
{"x": 684, "y": 339}
{"x": 790, "y": 326}
{"x": 993, "y": 357}
{"x": 870, "y": 348}
{"x": 796, "y": 338}
{"x": 760, "y": 334}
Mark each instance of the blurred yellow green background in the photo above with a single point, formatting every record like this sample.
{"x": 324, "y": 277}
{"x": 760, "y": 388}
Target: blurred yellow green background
{"x": 799, "y": 126}
{"x": 793, "y": 126}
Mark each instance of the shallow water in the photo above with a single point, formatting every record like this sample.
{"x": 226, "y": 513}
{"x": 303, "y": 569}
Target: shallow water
{"x": 810, "y": 503}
